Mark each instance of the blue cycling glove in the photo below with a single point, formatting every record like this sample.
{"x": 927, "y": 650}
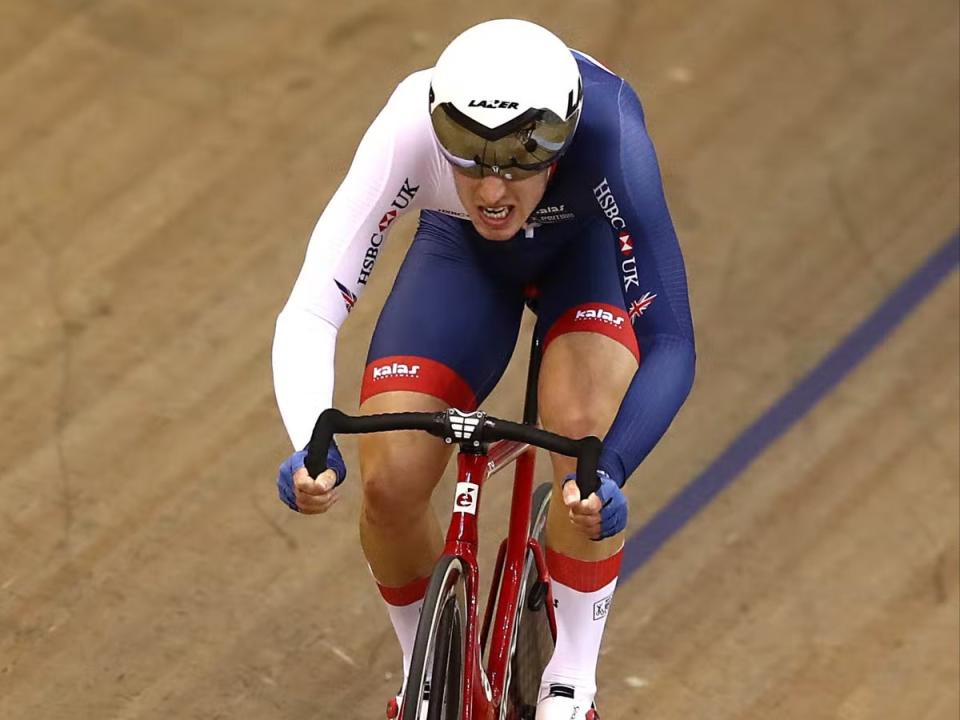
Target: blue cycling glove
{"x": 613, "y": 505}
{"x": 295, "y": 462}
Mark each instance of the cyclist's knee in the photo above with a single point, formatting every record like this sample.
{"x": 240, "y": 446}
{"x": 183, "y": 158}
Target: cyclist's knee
{"x": 582, "y": 383}
{"x": 566, "y": 410}
{"x": 396, "y": 485}
{"x": 399, "y": 470}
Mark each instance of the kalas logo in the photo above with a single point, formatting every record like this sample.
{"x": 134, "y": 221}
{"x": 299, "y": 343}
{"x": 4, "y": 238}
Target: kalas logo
{"x": 396, "y": 370}
{"x": 495, "y": 104}
{"x": 599, "y": 314}
{"x": 400, "y": 202}
{"x": 608, "y": 204}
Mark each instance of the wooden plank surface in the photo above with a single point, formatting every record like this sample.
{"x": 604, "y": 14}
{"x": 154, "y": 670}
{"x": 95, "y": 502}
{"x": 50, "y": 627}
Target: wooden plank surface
{"x": 161, "y": 165}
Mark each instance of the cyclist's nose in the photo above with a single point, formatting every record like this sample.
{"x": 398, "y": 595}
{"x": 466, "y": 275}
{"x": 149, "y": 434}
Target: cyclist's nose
{"x": 492, "y": 190}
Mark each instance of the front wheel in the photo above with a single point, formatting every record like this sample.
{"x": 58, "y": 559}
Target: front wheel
{"x": 436, "y": 666}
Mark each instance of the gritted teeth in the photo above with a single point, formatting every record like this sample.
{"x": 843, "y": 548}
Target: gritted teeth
{"x": 496, "y": 212}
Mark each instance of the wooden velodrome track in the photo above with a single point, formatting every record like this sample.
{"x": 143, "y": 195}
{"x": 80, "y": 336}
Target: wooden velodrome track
{"x": 161, "y": 166}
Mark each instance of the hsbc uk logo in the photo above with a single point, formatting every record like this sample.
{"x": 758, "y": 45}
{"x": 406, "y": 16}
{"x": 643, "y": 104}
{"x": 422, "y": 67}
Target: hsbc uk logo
{"x": 609, "y": 207}
{"x": 396, "y": 369}
{"x": 599, "y": 314}
{"x": 400, "y": 202}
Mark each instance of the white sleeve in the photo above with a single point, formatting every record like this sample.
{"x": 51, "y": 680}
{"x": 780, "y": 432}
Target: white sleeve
{"x": 395, "y": 158}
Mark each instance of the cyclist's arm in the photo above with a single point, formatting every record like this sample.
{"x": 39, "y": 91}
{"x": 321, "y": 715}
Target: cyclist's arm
{"x": 384, "y": 181}
{"x": 655, "y": 290}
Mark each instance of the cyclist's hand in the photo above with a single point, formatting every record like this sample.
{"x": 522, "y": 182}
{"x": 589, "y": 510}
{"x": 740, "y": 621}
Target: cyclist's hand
{"x": 307, "y": 495}
{"x": 601, "y": 515}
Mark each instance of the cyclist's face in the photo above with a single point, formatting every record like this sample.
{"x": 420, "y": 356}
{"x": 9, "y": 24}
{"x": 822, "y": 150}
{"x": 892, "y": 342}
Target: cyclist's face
{"x": 497, "y": 207}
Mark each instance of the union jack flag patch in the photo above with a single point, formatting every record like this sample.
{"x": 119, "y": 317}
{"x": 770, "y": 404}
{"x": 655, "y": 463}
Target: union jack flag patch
{"x": 638, "y": 307}
{"x": 349, "y": 298}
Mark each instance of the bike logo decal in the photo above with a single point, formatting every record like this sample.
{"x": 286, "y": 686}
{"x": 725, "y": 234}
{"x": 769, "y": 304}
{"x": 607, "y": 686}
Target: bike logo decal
{"x": 465, "y": 498}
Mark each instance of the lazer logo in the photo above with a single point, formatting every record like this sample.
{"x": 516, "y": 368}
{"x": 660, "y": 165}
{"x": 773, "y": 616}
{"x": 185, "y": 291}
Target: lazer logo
{"x": 495, "y": 104}
{"x": 396, "y": 370}
{"x": 599, "y": 314}
{"x": 400, "y": 202}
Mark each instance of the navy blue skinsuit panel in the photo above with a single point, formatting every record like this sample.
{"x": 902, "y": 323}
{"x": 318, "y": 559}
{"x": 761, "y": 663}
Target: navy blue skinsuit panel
{"x": 458, "y": 299}
{"x": 607, "y": 191}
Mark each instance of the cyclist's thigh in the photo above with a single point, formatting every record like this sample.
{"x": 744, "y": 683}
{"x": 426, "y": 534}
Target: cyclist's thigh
{"x": 590, "y": 350}
{"x": 446, "y": 331}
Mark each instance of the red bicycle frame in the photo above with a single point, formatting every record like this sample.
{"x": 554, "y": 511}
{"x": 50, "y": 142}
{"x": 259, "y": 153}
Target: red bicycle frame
{"x": 484, "y": 688}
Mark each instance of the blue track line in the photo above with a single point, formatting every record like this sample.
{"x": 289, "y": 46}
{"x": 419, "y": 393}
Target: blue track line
{"x": 790, "y": 408}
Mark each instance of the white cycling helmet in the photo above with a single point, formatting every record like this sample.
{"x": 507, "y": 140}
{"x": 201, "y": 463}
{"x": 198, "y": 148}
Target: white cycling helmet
{"x": 505, "y": 98}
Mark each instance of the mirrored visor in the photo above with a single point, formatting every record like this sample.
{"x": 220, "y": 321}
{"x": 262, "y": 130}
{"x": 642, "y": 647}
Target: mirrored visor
{"x": 520, "y": 148}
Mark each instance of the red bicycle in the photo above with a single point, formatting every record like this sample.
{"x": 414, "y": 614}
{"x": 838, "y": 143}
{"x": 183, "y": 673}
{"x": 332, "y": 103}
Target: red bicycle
{"x": 448, "y": 665}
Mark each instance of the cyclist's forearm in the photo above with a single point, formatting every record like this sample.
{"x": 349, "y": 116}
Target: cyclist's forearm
{"x": 303, "y": 370}
{"x": 654, "y": 397}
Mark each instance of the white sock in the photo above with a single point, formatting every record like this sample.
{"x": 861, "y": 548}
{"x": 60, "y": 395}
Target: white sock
{"x": 404, "y": 605}
{"x": 582, "y": 593}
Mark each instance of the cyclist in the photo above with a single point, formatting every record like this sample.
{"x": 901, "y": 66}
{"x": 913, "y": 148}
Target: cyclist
{"x": 532, "y": 167}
